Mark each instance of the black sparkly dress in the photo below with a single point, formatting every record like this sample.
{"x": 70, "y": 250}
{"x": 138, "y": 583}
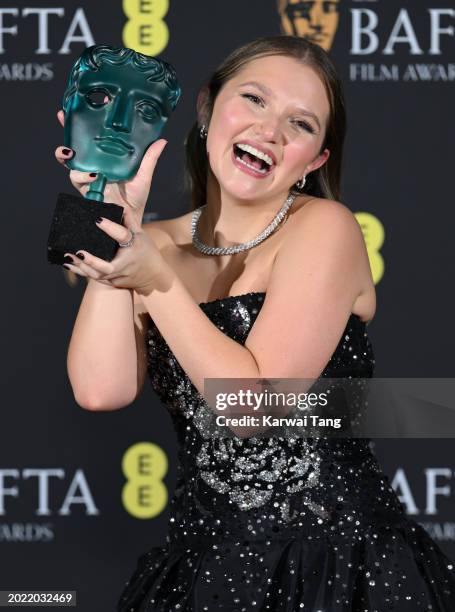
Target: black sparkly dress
{"x": 276, "y": 524}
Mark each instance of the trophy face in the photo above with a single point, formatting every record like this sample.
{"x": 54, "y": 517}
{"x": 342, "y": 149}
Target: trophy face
{"x": 114, "y": 111}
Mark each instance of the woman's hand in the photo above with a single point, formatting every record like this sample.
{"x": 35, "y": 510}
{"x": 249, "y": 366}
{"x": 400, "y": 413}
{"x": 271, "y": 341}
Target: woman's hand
{"x": 134, "y": 267}
{"x": 132, "y": 194}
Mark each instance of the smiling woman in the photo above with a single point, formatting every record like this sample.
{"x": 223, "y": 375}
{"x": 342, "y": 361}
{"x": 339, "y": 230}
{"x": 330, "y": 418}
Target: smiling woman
{"x": 259, "y": 520}
{"x": 293, "y": 72}
{"x": 270, "y": 109}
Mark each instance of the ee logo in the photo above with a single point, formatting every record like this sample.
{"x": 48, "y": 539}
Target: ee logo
{"x": 145, "y": 31}
{"x": 144, "y": 465}
{"x": 373, "y": 233}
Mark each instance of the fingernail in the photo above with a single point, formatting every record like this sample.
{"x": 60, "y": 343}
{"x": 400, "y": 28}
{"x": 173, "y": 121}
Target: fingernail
{"x": 93, "y": 174}
{"x": 68, "y": 259}
{"x": 66, "y": 151}
{"x": 80, "y": 255}
{"x": 67, "y": 267}
{"x": 99, "y": 220}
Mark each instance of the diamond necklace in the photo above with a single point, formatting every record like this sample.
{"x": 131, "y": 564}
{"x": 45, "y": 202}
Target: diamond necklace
{"x": 237, "y": 248}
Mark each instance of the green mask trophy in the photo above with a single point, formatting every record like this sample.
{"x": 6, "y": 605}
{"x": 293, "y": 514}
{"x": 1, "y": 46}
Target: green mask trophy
{"x": 116, "y": 105}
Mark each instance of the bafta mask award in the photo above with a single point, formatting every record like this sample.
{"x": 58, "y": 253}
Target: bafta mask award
{"x": 116, "y": 105}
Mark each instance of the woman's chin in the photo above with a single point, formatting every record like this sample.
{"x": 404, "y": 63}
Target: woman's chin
{"x": 245, "y": 190}
{"x": 244, "y": 195}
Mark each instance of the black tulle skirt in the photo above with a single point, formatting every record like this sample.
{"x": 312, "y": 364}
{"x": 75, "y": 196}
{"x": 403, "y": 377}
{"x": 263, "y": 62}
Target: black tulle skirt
{"x": 397, "y": 568}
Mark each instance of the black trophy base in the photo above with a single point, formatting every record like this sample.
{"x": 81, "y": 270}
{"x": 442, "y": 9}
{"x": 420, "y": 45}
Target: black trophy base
{"x": 73, "y": 228}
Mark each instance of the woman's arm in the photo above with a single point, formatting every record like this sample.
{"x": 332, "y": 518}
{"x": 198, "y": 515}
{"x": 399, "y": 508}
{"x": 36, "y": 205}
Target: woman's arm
{"x": 315, "y": 280}
{"x": 102, "y": 360}
{"x": 107, "y": 358}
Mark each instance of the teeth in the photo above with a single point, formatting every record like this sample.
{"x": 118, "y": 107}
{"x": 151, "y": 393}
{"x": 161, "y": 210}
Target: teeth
{"x": 256, "y": 153}
{"x": 261, "y": 170}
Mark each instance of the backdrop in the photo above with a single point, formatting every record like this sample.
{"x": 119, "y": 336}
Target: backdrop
{"x": 65, "y": 520}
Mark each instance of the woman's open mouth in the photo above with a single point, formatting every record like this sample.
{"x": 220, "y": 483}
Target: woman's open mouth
{"x": 252, "y": 161}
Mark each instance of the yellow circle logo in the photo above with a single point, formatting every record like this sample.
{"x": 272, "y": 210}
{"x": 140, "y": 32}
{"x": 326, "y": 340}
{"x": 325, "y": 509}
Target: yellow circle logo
{"x": 145, "y": 31}
{"x": 144, "y": 465}
{"x": 373, "y": 233}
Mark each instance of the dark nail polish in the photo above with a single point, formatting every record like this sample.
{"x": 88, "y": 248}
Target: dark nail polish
{"x": 99, "y": 219}
{"x": 68, "y": 259}
{"x": 67, "y": 267}
{"x": 80, "y": 255}
{"x": 93, "y": 174}
{"x": 66, "y": 151}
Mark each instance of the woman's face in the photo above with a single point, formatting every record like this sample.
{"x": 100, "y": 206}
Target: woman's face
{"x": 275, "y": 108}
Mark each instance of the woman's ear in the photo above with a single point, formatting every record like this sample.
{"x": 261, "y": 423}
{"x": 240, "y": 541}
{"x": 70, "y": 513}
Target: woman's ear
{"x": 201, "y": 105}
{"x": 319, "y": 161}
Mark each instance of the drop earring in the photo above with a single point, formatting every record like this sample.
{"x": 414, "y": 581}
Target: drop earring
{"x": 301, "y": 184}
{"x": 203, "y": 132}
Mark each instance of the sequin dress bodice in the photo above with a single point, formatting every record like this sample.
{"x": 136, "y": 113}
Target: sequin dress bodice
{"x": 250, "y": 514}
{"x": 256, "y": 486}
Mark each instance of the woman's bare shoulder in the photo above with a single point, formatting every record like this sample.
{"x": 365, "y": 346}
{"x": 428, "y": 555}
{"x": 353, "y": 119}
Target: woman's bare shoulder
{"x": 167, "y": 232}
{"x": 336, "y": 221}
{"x": 330, "y": 216}
{"x": 324, "y": 206}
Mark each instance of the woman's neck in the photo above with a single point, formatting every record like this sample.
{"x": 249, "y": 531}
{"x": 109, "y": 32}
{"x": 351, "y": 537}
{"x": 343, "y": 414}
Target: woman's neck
{"x": 227, "y": 220}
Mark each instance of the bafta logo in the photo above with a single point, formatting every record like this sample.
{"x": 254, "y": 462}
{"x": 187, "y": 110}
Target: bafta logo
{"x": 316, "y": 20}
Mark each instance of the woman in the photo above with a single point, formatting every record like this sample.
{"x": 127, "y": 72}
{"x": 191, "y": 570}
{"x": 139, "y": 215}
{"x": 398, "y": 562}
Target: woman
{"x": 270, "y": 279}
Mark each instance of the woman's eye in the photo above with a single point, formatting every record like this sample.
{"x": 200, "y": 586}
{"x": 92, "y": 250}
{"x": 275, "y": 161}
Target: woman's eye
{"x": 256, "y": 99}
{"x": 98, "y": 97}
{"x": 148, "y": 110}
{"x": 306, "y": 126}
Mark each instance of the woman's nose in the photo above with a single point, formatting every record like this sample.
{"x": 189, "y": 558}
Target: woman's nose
{"x": 269, "y": 130}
